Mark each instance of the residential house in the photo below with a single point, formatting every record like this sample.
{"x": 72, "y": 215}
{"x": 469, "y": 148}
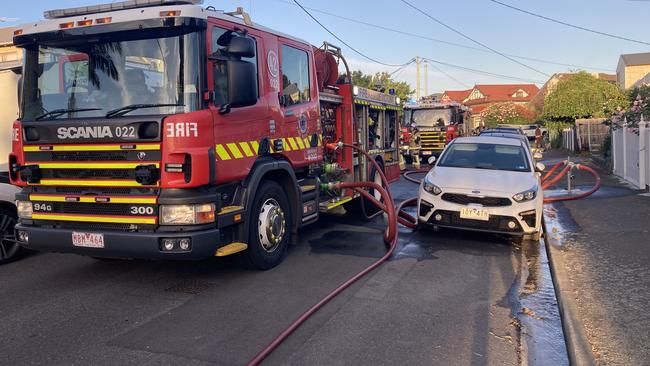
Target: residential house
{"x": 482, "y": 96}
{"x": 633, "y": 70}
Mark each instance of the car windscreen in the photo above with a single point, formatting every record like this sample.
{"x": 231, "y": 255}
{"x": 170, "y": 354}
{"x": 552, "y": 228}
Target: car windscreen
{"x": 485, "y": 156}
{"x": 431, "y": 117}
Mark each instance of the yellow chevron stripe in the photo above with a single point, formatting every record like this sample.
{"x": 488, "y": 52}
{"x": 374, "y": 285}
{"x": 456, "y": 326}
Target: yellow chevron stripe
{"x": 285, "y": 145}
{"x": 89, "y": 183}
{"x": 247, "y": 150}
{"x": 108, "y": 219}
{"x": 320, "y": 140}
{"x": 223, "y": 154}
{"x": 300, "y": 143}
{"x": 234, "y": 150}
{"x": 137, "y": 147}
{"x": 256, "y": 146}
{"x": 307, "y": 142}
{"x": 294, "y": 146}
{"x": 91, "y": 199}
{"x": 93, "y": 165}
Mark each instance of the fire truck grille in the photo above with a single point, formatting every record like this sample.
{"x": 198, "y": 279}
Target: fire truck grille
{"x": 90, "y": 156}
{"x": 108, "y": 209}
{"x": 432, "y": 140}
{"x": 97, "y": 191}
{"x": 88, "y": 173}
{"x": 463, "y": 199}
{"x": 104, "y": 226}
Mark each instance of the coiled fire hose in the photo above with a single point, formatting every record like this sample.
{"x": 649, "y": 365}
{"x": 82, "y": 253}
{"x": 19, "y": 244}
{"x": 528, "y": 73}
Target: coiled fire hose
{"x": 390, "y": 237}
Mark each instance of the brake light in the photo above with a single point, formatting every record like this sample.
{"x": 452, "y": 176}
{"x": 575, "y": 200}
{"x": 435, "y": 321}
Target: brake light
{"x": 18, "y": 32}
{"x": 84, "y": 23}
{"x": 66, "y": 25}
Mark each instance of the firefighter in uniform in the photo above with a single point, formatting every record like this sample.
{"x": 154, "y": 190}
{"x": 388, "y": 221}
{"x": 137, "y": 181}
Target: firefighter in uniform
{"x": 414, "y": 147}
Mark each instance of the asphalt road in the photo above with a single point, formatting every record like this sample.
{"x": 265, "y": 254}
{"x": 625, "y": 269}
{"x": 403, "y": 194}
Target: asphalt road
{"x": 445, "y": 298}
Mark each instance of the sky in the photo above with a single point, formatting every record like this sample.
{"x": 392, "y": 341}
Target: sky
{"x": 504, "y": 30}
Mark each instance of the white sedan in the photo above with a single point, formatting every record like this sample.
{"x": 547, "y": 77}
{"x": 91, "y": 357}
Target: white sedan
{"x": 489, "y": 184}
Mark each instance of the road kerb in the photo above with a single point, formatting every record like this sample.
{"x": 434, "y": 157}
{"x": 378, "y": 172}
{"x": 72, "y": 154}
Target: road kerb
{"x": 578, "y": 347}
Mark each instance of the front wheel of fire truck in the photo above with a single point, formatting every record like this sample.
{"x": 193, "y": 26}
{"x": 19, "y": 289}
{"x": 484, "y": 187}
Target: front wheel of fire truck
{"x": 9, "y": 248}
{"x": 270, "y": 228}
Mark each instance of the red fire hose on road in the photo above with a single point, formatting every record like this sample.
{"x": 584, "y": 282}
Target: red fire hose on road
{"x": 390, "y": 237}
{"x": 596, "y": 186}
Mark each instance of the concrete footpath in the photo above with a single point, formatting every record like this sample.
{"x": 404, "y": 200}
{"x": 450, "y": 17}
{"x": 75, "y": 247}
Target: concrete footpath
{"x": 599, "y": 251}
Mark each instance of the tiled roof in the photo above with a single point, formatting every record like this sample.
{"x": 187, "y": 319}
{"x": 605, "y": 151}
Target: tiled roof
{"x": 457, "y": 95}
{"x": 504, "y": 92}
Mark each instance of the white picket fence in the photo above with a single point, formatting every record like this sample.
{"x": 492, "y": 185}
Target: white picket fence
{"x": 631, "y": 154}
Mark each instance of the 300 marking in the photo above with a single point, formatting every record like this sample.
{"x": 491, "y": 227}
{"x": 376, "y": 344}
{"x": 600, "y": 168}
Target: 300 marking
{"x": 141, "y": 210}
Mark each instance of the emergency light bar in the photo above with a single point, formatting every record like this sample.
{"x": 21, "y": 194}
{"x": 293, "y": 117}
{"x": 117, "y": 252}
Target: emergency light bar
{"x": 124, "y": 5}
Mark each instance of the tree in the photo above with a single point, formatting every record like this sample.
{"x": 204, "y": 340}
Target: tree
{"x": 635, "y": 110}
{"x": 582, "y": 96}
{"x": 507, "y": 113}
{"x": 382, "y": 82}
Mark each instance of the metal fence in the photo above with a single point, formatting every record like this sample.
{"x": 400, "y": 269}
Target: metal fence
{"x": 631, "y": 154}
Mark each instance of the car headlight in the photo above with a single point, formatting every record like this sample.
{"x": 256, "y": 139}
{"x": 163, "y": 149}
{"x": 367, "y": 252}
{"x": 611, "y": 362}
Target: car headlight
{"x": 24, "y": 209}
{"x": 524, "y": 196}
{"x": 430, "y": 187}
{"x": 187, "y": 214}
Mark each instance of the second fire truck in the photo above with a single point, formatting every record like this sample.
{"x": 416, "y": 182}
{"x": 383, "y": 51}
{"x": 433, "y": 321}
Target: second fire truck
{"x": 163, "y": 129}
{"x": 429, "y": 126}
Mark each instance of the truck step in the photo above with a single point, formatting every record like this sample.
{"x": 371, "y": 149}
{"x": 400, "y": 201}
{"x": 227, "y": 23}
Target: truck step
{"x": 307, "y": 188}
{"x": 231, "y": 249}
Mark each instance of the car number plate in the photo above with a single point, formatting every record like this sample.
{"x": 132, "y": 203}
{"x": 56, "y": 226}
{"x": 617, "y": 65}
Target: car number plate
{"x": 87, "y": 240}
{"x": 426, "y": 153}
{"x": 474, "y": 214}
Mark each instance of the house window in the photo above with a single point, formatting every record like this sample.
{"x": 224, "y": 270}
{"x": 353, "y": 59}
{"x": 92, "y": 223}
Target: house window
{"x": 520, "y": 94}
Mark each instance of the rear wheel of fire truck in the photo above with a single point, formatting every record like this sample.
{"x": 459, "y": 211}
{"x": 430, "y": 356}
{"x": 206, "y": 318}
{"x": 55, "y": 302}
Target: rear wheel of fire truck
{"x": 9, "y": 248}
{"x": 270, "y": 227}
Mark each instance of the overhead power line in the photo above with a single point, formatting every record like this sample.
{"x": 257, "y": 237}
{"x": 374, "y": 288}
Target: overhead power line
{"x": 472, "y": 39}
{"x": 345, "y": 43}
{"x": 448, "y": 75}
{"x": 482, "y": 72}
{"x": 441, "y": 41}
{"x": 569, "y": 24}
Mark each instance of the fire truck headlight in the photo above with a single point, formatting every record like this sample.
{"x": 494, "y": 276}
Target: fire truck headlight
{"x": 24, "y": 209}
{"x": 187, "y": 214}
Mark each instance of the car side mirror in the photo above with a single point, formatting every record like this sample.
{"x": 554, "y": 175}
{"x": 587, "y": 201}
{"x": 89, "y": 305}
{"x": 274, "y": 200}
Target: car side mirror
{"x": 538, "y": 155}
{"x": 431, "y": 160}
{"x": 540, "y": 167}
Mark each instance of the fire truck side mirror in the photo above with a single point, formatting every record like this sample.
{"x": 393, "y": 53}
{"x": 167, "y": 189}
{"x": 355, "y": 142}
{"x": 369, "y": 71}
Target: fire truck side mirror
{"x": 242, "y": 47}
{"x": 242, "y": 83}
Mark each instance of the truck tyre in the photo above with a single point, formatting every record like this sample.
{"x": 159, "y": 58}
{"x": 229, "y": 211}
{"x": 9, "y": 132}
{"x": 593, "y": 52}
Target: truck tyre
{"x": 269, "y": 227}
{"x": 9, "y": 248}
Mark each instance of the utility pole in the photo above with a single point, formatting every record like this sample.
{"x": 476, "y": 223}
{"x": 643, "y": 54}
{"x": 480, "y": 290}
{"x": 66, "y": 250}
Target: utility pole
{"x": 417, "y": 77}
{"x": 426, "y": 79}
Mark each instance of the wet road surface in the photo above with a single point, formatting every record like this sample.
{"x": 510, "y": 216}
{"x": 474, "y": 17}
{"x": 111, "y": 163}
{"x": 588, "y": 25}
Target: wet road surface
{"x": 445, "y": 298}
{"x": 602, "y": 242}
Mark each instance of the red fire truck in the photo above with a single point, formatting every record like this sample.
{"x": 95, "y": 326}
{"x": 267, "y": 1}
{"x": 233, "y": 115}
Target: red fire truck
{"x": 163, "y": 129}
{"x": 437, "y": 123}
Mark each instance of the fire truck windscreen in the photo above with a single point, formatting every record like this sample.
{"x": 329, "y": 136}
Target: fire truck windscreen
{"x": 431, "y": 117}
{"x": 104, "y": 76}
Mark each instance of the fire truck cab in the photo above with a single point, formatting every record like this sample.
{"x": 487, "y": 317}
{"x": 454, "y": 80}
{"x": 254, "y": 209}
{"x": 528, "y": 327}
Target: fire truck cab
{"x": 436, "y": 123}
{"x": 162, "y": 129}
